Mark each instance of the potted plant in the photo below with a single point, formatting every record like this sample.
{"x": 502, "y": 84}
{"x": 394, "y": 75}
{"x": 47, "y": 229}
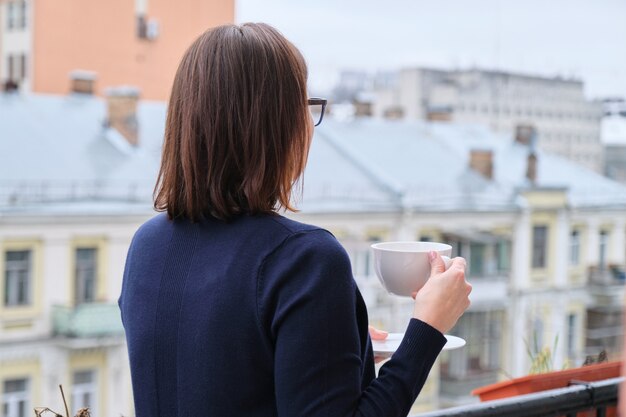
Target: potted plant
{"x": 542, "y": 378}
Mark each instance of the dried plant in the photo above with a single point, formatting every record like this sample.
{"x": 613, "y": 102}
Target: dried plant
{"x": 46, "y": 412}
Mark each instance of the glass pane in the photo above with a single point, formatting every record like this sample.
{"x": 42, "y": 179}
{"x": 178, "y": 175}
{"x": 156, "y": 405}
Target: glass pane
{"x": 87, "y": 255}
{"x": 83, "y": 377}
{"x": 540, "y": 236}
{"x": 23, "y": 17}
{"x": 21, "y": 409}
{"x": 17, "y": 277}
{"x": 86, "y": 268}
{"x": 86, "y": 400}
{"x": 574, "y": 248}
{"x": 504, "y": 256}
{"x": 476, "y": 261}
{"x": 18, "y": 255}
{"x": 14, "y": 385}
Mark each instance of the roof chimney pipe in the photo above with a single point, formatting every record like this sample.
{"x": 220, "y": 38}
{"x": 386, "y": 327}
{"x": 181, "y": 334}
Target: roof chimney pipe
{"x": 524, "y": 134}
{"x": 122, "y": 112}
{"x": 481, "y": 161}
{"x": 82, "y": 82}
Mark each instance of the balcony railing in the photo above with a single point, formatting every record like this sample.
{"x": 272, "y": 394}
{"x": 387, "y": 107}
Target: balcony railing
{"x": 87, "y": 320}
{"x": 568, "y": 402}
{"x": 607, "y": 275}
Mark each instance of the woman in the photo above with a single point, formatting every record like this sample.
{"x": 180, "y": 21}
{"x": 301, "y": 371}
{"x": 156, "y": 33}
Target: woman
{"x": 231, "y": 309}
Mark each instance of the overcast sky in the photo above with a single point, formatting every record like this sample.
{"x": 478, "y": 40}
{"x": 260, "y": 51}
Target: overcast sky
{"x": 581, "y": 38}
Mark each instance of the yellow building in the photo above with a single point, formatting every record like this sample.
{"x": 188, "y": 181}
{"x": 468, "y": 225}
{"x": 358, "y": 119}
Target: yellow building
{"x": 544, "y": 239}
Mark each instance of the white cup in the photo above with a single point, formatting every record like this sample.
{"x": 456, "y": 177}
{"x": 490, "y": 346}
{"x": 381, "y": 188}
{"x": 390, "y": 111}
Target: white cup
{"x": 403, "y": 267}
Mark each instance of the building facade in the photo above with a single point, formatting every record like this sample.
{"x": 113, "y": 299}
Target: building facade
{"x": 42, "y": 42}
{"x": 544, "y": 239}
{"x": 614, "y": 139}
{"x": 59, "y": 317}
{"x": 567, "y": 123}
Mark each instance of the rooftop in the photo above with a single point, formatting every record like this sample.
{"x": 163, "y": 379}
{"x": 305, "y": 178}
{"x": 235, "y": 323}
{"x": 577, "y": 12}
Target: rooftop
{"x": 56, "y": 149}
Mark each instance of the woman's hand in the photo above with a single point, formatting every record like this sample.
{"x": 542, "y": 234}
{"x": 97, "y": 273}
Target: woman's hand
{"x": 376, "y": 334}
{"x": 445, "y": 296}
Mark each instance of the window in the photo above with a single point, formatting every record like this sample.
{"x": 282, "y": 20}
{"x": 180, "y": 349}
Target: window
{"x": 22, "y": 15}
{"x": 16, "y": 15}
{"x": 574, "y": 248}
{"x": 11, "y": 74}
{"x": 571, "y": 334}
{"x": 482, "y": 331}
{"x": 540, "y": 245}
{"x": 604, "y": 241}
{"x": 15, "y": 398}
{"x": 362, "y": 262}
{"x": 457, "y": 247}
{"x": 17, "y": 278}
{"x": 16, "y": 67}
{"x": 84, "y": 390}
{"x": 22, "y": 67}
{"x": 86, "y": 270}
{"x": 477, "y": 260}
{"x": 11, "y": 15}
{"x": 503, "y": 256}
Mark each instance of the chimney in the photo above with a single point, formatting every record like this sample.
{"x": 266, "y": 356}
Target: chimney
{"x": 439, "y": 114}
{"x": 531, "y": 168}
{"x": 481, "y": 161}
{"x": 82, "y": 82}
{"x": 393, "y": 113}
{"x": 122, "y": 112}
{"x": 527, "y": 136}
{"x": 524, "y": 134}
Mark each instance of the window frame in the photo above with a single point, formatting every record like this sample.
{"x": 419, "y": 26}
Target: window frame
{"x": 539, "y": 250}
{"x": 85, "y": 388}
{"x": 574, "y": 247}
{"x": 81, "y": 281}
{"x": 15, "y": 399}
{"x": 24, "y": 312}
{"x": 11, "y": 15}
{"x": 12, "y": 275}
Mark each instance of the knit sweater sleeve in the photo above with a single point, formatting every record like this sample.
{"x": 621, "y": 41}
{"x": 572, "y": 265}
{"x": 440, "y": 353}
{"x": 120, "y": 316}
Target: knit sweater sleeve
{"x": 306, "y": 303}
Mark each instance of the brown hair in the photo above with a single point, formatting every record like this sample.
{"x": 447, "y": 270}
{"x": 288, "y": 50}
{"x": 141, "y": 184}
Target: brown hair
{"x": 238, "y": 126}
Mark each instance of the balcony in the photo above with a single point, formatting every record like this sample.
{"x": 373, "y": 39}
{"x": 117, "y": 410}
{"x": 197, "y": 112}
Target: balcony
{"x": 607, "y": 275}
{"x": 90, "y": 320}
{"x": 570, "y": 401}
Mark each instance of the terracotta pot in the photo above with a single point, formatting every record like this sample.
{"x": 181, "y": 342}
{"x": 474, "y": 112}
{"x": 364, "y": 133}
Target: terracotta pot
{"x": 552, "y": 380}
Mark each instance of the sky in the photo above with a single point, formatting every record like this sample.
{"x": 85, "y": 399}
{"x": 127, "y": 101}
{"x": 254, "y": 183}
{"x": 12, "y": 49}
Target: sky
{"x": 584, "y": 39}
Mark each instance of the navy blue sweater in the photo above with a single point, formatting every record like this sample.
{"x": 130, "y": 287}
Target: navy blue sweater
{"x": 257, "y": 317}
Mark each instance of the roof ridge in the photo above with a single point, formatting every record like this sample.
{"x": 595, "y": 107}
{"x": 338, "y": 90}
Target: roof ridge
{"x": 375, "y": 174}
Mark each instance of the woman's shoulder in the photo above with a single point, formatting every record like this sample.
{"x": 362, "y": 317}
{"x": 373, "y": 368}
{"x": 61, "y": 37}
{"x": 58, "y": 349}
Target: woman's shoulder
{"x": 303, "y": 232}
{"x": 154, "y": 227}
{"x": 303, "y": 239}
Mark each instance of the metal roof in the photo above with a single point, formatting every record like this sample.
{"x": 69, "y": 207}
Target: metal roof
{"x": 56, "y": 149}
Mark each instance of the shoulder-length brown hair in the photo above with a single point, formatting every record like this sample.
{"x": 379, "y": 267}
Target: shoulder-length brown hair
{"x": 238, "y": 126}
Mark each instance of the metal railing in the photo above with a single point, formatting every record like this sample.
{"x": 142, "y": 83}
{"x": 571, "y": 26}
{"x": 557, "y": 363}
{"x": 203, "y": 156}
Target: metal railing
{"x": 87, "y": 320}
{"x": 14, "y": 193}
{"x": 579, "y": 397}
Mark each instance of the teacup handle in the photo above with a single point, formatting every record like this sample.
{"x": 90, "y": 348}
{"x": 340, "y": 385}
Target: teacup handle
{"x": 447, "y": 261}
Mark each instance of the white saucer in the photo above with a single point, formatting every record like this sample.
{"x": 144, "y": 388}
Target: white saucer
{"x": 385, "y": 348}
